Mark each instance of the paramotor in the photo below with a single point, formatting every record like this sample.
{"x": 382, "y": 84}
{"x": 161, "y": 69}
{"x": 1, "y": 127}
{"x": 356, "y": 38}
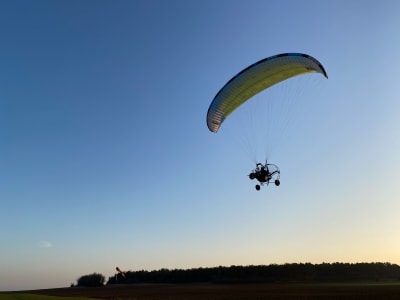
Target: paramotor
{"x": 251, "y": 81}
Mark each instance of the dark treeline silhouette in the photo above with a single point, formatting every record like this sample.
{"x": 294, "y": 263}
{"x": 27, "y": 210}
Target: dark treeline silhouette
{"x": 94, "y": 279}
{"x": 304, "y": 272}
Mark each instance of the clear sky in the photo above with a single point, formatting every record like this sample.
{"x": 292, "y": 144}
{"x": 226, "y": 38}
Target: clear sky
{"x": 106, "y": 159}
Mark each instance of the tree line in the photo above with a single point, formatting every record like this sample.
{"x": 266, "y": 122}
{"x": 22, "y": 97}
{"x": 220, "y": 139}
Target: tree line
{"x": 294, "y": 272}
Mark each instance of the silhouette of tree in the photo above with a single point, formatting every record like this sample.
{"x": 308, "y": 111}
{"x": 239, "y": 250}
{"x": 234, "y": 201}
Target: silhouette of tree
{"x": 94, "y": 279}
{"x": 304, "y": 272}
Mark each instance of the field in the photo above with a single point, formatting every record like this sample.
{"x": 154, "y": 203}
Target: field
{"x": 24, "y": 296}
{"x": 216, "y": 292}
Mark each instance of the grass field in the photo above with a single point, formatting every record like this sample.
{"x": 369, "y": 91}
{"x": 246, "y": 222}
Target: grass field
{"x": 23, "y": 296}
{"x": 216, "y": 292}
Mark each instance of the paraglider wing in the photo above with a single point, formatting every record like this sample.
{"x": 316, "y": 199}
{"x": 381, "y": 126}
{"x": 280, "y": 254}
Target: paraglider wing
{"x": 256, "y": 78}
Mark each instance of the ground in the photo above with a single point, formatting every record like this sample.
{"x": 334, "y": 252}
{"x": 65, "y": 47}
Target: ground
{"x": 260, "y": 291}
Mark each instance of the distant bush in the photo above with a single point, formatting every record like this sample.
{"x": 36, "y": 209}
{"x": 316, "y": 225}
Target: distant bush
{"x": 94, "y": 279}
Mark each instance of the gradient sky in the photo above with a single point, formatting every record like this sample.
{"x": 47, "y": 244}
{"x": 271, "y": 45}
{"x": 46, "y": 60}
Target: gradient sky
{"x": 106, "y": 159}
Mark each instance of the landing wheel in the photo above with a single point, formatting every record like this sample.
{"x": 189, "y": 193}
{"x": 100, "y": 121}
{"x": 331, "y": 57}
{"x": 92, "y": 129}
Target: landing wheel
{"x": 277, "y": 182}
{"x": 258, "y": 187}
{"x": 252, "y": 176}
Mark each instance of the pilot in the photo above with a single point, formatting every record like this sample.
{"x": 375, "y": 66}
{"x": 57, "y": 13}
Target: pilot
{"x": 263, "y": 174}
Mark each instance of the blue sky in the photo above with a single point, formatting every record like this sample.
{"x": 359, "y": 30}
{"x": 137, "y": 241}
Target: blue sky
{"x": 106, "y": 159}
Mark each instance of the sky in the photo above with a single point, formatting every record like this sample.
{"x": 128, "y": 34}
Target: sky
{"x": 106, "y": 159}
